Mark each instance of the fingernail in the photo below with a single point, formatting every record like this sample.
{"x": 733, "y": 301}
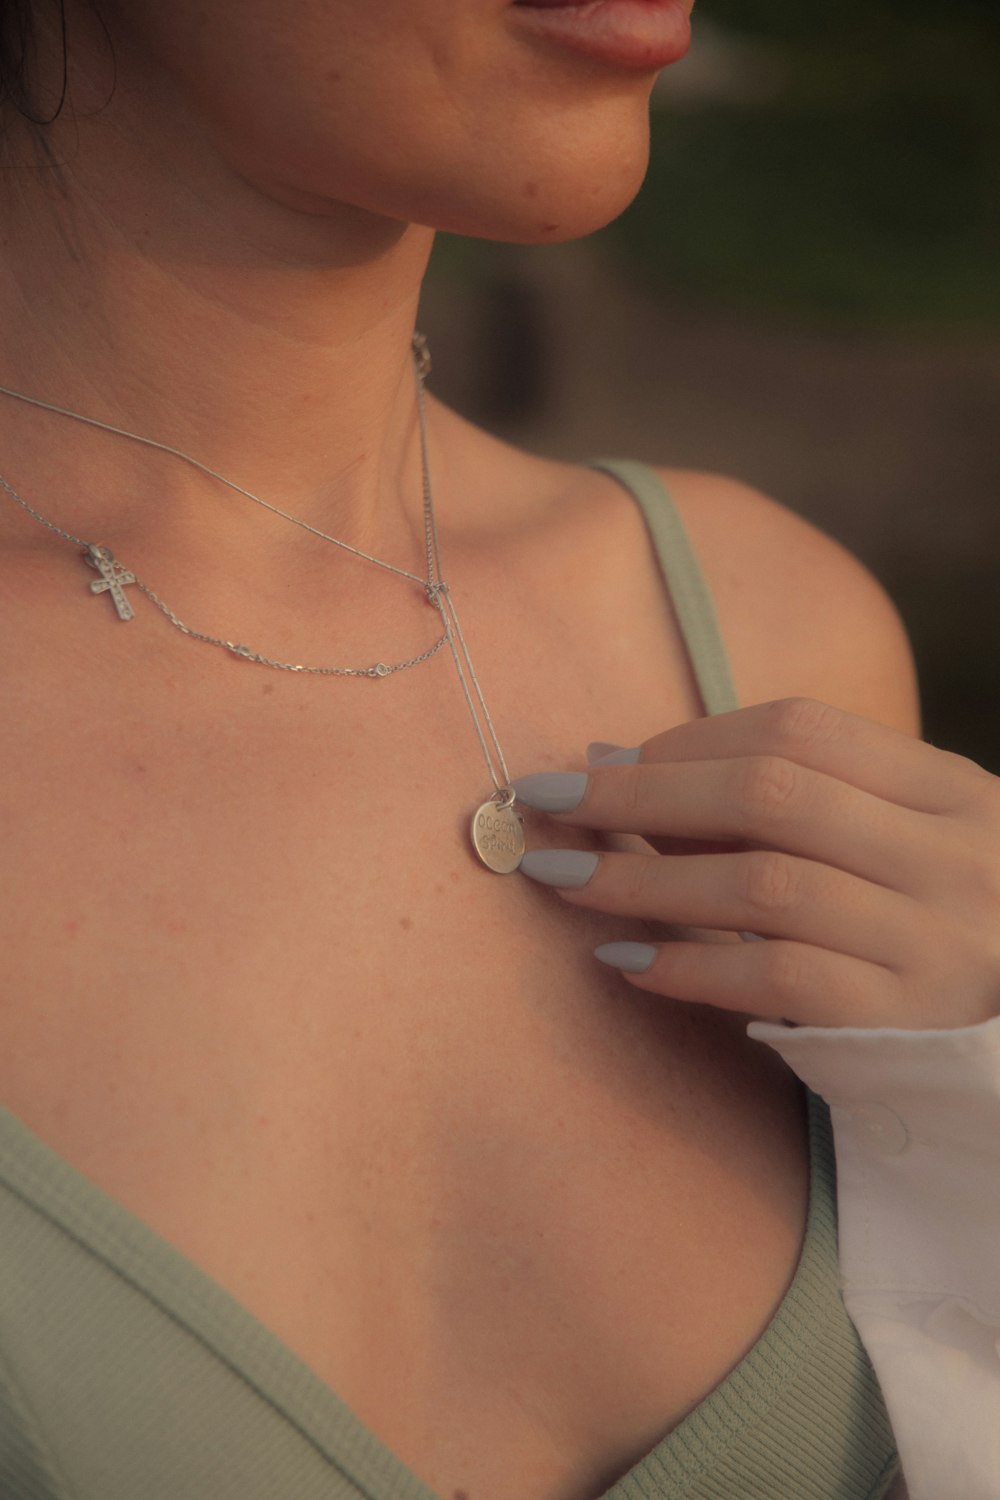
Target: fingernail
{"x": 551, "y": 791}
{"x": 632, "y": 958}
{"x": 602, "y": 754}
{"x": 566, "y": 868}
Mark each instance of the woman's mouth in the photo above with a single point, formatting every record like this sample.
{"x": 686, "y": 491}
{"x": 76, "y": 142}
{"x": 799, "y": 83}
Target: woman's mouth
{"x": 637, "y": 35}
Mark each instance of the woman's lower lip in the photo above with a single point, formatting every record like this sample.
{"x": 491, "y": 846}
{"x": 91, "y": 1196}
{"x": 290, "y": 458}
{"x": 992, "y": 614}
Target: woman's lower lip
{"x": 644, "y": 35}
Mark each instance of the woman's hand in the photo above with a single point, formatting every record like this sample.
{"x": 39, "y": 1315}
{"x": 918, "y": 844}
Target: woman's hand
{"x": 869, "y": 861}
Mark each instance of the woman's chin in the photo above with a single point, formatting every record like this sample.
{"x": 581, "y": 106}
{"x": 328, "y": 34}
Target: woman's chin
{"x": 522, "y": 187}
{"x": 534, "y": 212}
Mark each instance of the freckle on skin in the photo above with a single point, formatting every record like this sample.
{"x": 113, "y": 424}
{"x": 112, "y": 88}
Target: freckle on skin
{"x": 267, "y": 688}
{"x": 72, "y": 926}
{"x": 531, "y": 189}
{"x": 406, "y": 923}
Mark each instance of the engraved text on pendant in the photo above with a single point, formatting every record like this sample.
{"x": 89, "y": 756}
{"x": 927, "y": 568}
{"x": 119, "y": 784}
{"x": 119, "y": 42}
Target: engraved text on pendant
{"x": 498, "y": 837}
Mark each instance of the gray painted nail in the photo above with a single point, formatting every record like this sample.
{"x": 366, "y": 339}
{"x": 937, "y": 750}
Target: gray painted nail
{"x": 633, "y": 958}
{"x": 612, "y": 755}
{"x": 567, "y": 868}
{"x": 598, "y": 749}
{"x": 551, "y": 791}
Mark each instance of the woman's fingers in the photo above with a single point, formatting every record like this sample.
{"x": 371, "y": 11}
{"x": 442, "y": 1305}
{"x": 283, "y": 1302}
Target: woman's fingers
{"x": 758, "y": 799}
{"x": 867, "y": 859}
{"x": 764, "y": 891}
{"x": 883, "y": 762}
{"x": 778, "y": 981}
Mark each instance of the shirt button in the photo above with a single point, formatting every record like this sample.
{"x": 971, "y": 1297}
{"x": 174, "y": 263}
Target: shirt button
{"x": 880, "y": 1127}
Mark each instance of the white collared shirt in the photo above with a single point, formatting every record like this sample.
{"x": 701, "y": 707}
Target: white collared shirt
{"x": 916, "y": 1121}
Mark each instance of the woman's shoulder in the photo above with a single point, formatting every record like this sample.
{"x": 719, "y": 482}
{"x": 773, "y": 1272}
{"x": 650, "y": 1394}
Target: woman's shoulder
{"x": 799, "y": 613}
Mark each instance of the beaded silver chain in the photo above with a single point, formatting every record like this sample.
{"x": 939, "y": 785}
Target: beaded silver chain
{"x": 496, "y": 830}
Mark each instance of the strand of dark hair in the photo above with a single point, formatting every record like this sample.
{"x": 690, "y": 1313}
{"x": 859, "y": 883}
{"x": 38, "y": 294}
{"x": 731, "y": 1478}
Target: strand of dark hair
{"x": 17, "y": 45}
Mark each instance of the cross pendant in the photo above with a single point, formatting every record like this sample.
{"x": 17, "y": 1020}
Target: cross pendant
{"x": 114, "y": 576}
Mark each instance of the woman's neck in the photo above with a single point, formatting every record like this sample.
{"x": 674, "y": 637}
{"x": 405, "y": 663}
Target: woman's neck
{"x": 173, "y": 298}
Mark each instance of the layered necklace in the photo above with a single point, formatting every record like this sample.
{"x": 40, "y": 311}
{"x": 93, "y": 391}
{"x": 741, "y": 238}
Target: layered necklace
{"x": 496, "y": 828}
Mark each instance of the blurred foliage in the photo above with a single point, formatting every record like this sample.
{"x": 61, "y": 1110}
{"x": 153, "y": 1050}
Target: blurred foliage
{"x": 790, "y": 19}
{"x": 863, "y": 183}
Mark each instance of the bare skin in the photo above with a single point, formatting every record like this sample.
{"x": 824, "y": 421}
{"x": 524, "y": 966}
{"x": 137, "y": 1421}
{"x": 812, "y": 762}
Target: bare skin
{"x": 252, "y": 983}
{"x": 241, "y": 894}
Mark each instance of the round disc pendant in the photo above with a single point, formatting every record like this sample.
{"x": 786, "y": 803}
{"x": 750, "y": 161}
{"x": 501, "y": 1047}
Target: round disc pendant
{"x": 498, "y": 837}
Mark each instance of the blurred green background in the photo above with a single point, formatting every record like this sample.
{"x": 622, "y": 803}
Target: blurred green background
{"x": 855, "y": 164}
{"x": 805, "y": 294}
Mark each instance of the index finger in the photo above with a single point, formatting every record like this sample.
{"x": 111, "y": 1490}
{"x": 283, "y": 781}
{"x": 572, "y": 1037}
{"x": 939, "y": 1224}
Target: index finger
{"x": 884, "y": 762}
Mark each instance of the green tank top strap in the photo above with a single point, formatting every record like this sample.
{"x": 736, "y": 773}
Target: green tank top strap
{"x": 685, "y": 581}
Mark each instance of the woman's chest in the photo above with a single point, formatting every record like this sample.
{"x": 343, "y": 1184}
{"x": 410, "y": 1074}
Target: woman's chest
{"x": 257, "y": 988}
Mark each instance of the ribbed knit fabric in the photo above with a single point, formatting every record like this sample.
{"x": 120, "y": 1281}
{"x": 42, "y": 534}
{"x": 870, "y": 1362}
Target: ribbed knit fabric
{"x": 126, "y": 1373}
{"x": 686, "y": 586}
{"x": 802, "y": 1416}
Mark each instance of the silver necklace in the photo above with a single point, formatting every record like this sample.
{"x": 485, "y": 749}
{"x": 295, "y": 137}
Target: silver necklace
{"x": 497, "y": 831}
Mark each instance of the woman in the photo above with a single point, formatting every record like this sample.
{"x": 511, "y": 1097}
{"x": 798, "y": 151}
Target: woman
{"x": 302, "y": 1099}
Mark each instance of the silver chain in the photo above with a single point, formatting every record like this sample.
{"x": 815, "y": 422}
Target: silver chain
{"x": 236, "y": 648}
{"x": 63, "y": 411}
{"x": 445, "y": 603}
{"x": 114, "y": 574}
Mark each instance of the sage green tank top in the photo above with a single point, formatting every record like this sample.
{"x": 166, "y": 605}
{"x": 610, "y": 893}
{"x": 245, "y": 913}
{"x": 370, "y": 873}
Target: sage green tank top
{"x": 126, "y": 1373}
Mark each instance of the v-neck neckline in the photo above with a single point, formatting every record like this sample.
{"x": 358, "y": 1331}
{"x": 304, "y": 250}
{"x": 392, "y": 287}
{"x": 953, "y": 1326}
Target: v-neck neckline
{"x": 212, "y": 1315}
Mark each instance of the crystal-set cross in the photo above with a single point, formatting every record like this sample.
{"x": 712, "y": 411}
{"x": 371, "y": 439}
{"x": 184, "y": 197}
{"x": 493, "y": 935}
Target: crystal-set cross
{"x": 114, "y": 577}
